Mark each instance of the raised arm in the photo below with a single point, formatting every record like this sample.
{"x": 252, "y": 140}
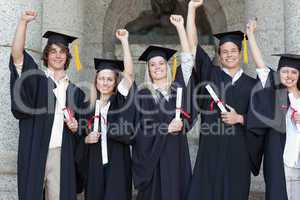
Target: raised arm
{"x": 122, "y": 35}
{"x": 187, "y": 59}
{"x": 191, "y": 24}
{"x": 18, "y": 44}
{"x": 178, "y": 22}
{"x": 256, "y": 53}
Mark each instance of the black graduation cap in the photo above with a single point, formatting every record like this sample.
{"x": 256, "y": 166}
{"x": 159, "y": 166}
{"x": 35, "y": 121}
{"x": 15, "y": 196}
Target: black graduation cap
{"x": 101, "y": 64}
{"x": 54, "y": 37}
{"x": 288, "y": 60}
{"x": 234, "y": 36}
{"x": 153, "y": 51}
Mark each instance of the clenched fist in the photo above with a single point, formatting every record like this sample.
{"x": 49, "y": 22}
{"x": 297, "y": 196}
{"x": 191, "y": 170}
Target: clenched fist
{"x": 28, "y": 16}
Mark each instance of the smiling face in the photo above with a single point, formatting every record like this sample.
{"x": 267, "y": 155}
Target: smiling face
{"x": 289, "y": 77}
{"x": 157, "y": 68}
{"x": 106, "y": 81}
{"x": 230, "y": 55}
{"x": 57, "y": 57}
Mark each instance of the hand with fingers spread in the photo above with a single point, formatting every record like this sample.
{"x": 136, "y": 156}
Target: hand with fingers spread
{"x": 72, "y": 125}
{"x": 251, "y": 26}
{"x": 177, "y": 20}
{"x": 28, "y": 16}
{"x": 195, "y": 3}
{"x": 232, "y": 117}
{"x": 175, "y": 126}
{"x": 122, "y": 34}
{"x": 92, "y": 138}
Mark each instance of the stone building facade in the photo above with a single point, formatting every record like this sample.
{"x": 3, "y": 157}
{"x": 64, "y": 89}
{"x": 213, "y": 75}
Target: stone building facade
{"x": 95, "y": 21}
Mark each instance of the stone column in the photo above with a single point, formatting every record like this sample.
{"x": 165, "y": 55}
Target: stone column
{"x": 270, "y": 31}
{"x": 270, "y": 38}
{"x": 292, "y": 26}
{"x": 10, "y": 12}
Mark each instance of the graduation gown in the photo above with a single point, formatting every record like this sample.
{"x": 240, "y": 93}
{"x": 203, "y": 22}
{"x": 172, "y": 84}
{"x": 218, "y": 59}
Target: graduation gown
{"x": 112, "y": 181}
{"x": 223, "y": 165}
{"x": 33, "y": 104}
{"x": 268, "y": 119}
{"x": 161, "y": 163}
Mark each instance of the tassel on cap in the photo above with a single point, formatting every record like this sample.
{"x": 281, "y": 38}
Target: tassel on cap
{"x": 76, "y": 55}
{"x": 174, "y": 66}
{"x": 245, "y": 47}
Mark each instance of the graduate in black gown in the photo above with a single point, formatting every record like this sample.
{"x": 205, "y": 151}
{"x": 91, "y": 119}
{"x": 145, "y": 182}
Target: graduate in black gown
{"x": 104, "y": 157}
{"x": 268, "y": 117}
{"x": 41, "y": 119}
{"x": 223, "y": 164}
{"x": 161, "y": 163}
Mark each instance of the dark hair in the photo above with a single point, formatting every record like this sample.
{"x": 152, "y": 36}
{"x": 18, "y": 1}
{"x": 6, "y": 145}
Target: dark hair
{"x": 47, "y": 50}
{"x": 219, "y": 48}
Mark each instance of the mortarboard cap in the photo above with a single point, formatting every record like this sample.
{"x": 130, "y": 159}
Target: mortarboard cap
{"x": 116, "y": 65}
{"x": 153, "y": 51}
{"x": 288, "y": 60}
{"x": 54, "y": 37}
{"x": 234, "y": 36}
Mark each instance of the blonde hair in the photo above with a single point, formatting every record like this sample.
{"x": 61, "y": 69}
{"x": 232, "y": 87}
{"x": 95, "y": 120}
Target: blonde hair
{"x": 148, "y": 81}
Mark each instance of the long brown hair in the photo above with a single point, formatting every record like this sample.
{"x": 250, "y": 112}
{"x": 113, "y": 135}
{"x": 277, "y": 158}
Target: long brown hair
{"x": 95, "y": 93}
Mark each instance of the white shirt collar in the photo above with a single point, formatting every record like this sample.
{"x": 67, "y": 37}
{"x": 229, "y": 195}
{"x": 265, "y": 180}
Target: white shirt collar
{"x": 164, "y": 92}
{"x": 237, "y": 75}
{"x": 50, "y": 74}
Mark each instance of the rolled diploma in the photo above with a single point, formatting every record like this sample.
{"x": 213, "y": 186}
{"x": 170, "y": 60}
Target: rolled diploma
{"x": 178, "y": 103}
{"x": 215, "y": 98}
{"x": 96, "y": 119}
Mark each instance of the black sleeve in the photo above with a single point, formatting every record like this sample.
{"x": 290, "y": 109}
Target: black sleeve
{"x": 204, "y": 66}
{"x": 260, "y": 110}
{"x": 189, "y": 106}
{"x": 24, "y": 89}
{"x": 261, "y": 106}
{"x": 121, "y": 129}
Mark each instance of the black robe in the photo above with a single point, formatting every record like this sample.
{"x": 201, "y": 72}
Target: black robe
{"x": 112, "y": 181}
{"x": 223, "y": 165}
{"x": 35, "y": 91}
{"x": 161, "y": 162}
{"x": 267, "y": 119}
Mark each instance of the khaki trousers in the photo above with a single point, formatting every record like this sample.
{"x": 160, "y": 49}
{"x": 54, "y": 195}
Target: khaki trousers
{"x": 52, "y": 174}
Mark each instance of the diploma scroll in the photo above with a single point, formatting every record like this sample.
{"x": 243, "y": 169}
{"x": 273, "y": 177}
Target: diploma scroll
{"x": 215, "y": 98}
{"x": 178, "y": 103}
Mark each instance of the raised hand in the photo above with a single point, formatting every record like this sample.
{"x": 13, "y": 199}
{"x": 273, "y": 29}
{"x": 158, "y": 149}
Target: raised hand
{"x": 177, "y": 20}
{"x": 195, "y": 3}
{"x": 251, "y": 26}
{"x": 28, "y": 16}
{"x": 122, "y": 34}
